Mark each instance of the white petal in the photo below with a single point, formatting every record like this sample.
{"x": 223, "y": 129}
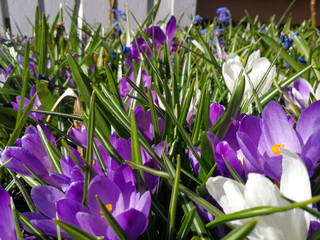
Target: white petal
{"x": 260, "y": 191}
{"x": 295, "y": 185}
{"x": 227, "y": 192}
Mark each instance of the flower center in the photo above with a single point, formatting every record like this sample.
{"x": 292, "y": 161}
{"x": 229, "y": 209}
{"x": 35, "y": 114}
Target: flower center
{"x": 276, "y": 148}
{"x": 108, "y": 207}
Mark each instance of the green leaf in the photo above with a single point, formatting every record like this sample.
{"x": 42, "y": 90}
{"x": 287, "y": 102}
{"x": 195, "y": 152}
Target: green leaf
{"x": 85, "y": 91}
{"x": 75, "y": 232}
{"x": 154, "y": 117}
{"x": 121, "y": 234}
{"x": 135, "y": 146}
{"x": 186, "y": 224}
{"x": 234, "y": 174}
{"x": 284, "y": 54}
{"x": 199, "y": 117}
{"x": 232, "y": 109}
{"x": 42, "y": 69}
{"x": 46, "y": 98}
{"x": 54, "y": 159}
{"x": 242, "y": 231}
{"x": 24, "y": 80}
{"x": 173, "y": 201}
{"x": 90, "y": 126}
{"x": 149, "y": 170}
{"x": 259, "y": 211}
{"x": 32, "y": 229}
{"x": 16, "y": 224}
{"x": 207, "y": 155}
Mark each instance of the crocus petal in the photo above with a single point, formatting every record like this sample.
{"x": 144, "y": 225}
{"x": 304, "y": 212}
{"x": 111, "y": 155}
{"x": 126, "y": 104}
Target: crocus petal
{"x": 171, "y": 28}
{"x": 309, "y": 121}
{"x": 75, "y": 191}
{"x": 311, "y": 149}
{"x": 144, "y": 204}
{"x": 92, "y": 224}
{"x": 295, "y": 185}
{"x": 45, "y": 197}
{"x": 102, "y": 187}
{"x": 157, "y": 35}
{"x": 7, "y": 229}
{"x": 227, "y": 192}
{"x": 67, "y": 210}
{"x": 277, "y": 129}
{"x": 132, "y": 221}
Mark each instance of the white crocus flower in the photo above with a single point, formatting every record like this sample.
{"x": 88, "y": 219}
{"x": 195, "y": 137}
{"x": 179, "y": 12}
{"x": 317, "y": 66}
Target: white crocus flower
{"x": 254, "y": 71}
{"x": 260, "y": 191}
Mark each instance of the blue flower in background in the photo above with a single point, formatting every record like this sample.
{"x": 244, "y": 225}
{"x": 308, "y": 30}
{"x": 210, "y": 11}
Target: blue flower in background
{"x": 302, "y": 60}
{"x": 125, "y": 49}
{"x": 197, "y": 19}
{"x": 118, "y": 30}
{"x": 287, "y": 41}
{"x": 224, "y": 15}
{"x": 203, "y": 31}
{"x": 120, "y": 14}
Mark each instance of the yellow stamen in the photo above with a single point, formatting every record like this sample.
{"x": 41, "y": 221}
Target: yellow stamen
{"x": 62, "y": 198}
{"x": 242, "y": 60}
{"x": 144, "y": 121}
{"x": 108, "y": 207}
{"x": 276, "y": 148}
{"x": 241, "y": 159}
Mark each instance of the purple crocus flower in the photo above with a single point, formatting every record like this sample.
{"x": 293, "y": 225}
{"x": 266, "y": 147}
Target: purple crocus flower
{"x": 221, "y": 149}
{"x": 37, "y": 104}
{"x": 4, "y": 75}
{"x": 261, "y": 140}
{"x": 144, "y": 123}
{"x": 29, "y": 151}
{"x": 125, "y": 86}
{"x": 299, "y": 94}
{"x": 158, "y": 37}
{"x": 7, "y": 228}
{"x": 117, "y": 192}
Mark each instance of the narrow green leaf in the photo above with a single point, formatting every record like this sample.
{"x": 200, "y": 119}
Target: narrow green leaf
{"x": 173, "y": 201}
{"x": 274, "y": 91}
{"x": 43, "y": 46}
{"x": 75, "y": 232}
{"x": 233, "y": 172}
{"x": 24, "y": 80}
{"x": 242, "y": 231}
{"x": 90, "y": 126}
{"x": 284, "y": 54}
{"x": 135, "y": 146}
{"x": 182, "y": 131}
{"x": 70, "y": 153}
{"x": 232, "y": 109}
{"x": 24, "y": 192}
{"x": 186, "y": 105}
{"x": 186, "y": 224}
{"x": 155, "y": 119}
{"x": 207, "y": 154}
{"x": 46, "y": 98}
{"x": 149, "y": 170}
{"x": 16, "y": 224}
{"x": 55, "y": 161}
{"x": 33, "y": 230}
{"x": 259, "y": 211}
{"x": 199, "y": 117}
{"x": 121, "y": 234}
